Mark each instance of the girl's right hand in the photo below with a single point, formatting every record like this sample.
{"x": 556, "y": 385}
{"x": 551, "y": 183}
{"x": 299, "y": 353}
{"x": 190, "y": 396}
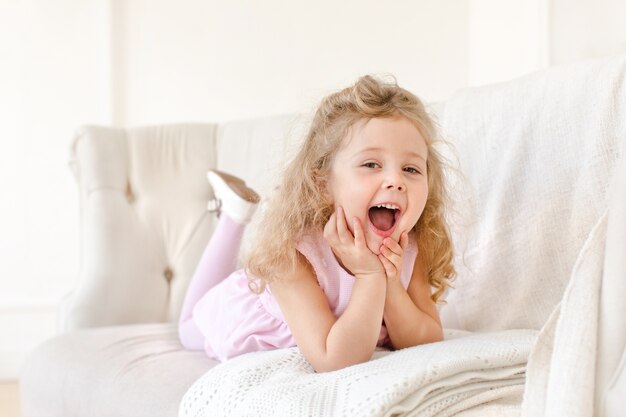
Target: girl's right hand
{"x": 351, "y": 250}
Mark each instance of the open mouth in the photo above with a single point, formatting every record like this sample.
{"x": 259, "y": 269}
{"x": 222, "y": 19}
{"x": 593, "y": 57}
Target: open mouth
{"x": 383, "y": 218}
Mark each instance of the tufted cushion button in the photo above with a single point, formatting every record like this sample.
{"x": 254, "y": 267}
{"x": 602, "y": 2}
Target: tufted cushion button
{"x": 129, "y": 193}
{"x": 168, "y": 274}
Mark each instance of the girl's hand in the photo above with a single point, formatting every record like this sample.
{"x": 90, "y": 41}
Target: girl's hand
{"x": 391, "y": 253}
{"x": 352, "y": 251}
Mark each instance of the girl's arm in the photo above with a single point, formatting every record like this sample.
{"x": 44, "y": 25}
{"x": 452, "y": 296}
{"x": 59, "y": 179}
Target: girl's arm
{"x": 331, "y": 343}
{"x": 410, "y": 315}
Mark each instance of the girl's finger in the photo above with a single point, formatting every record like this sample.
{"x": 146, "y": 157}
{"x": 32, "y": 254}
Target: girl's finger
{"x": 391, "y": 256}
{"x": 404, "y": 240}
{"x": 390, "y": 269}
{"x": 393, "y": 246}
{"x": 342, "y": 229}
{"x": 359, "y": 236}
{"x": 330, "y": 230}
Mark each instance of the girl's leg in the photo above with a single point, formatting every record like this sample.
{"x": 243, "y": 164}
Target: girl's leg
{"x": 236, "y": 203}
{"x": 218, "y": 261}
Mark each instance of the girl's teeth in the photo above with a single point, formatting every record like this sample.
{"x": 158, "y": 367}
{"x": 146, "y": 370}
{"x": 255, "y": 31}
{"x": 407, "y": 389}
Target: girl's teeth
{"x": 388, "y": 206}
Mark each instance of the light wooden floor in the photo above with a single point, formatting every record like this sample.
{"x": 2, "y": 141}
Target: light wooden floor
{"x": 9, "y": 399}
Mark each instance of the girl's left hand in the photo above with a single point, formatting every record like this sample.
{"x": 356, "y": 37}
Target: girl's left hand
{"x": 391, "y": 253}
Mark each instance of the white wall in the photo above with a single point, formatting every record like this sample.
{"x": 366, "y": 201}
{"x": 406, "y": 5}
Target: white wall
{"x": 132, "y": 62}
{"x": 243, "y": 59}
{"x": 582, "y": 29}
{"x": 507, "y": 39}
{"x": 53, "y": 76}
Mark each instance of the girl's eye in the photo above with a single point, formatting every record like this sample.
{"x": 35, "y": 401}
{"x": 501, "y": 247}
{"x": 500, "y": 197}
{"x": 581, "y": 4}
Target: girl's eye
{"x": 412, "y": 170}
{"x": 370, "y": 165}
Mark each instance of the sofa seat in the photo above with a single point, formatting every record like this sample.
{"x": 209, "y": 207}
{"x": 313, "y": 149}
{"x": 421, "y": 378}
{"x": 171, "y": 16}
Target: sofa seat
{"x": 132, "y": 370}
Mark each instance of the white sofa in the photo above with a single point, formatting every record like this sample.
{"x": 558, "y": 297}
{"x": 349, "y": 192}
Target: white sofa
{"x": 541, "y": 159}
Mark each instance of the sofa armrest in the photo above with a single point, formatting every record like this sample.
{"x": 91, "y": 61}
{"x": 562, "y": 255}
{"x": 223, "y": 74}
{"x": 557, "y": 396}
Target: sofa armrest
{"x": 143, "y": 197}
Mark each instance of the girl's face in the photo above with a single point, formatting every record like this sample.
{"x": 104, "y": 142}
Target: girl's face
{"x": 379, "y": 176}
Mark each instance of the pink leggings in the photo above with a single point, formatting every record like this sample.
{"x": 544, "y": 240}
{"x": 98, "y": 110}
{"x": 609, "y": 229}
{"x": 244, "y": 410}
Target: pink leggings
{"x": 218, "y": 261}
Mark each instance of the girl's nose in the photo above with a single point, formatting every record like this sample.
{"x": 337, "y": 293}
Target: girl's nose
{"x": 394, "y": 181}
{"x": 399, "y": 187}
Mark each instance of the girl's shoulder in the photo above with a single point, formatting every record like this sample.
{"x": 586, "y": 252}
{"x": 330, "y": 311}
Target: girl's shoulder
{"x": 307, "y": 248}
{"x": 315, "y": 249}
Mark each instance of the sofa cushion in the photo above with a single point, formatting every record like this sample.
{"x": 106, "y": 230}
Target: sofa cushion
{"x": 133, "y": 370}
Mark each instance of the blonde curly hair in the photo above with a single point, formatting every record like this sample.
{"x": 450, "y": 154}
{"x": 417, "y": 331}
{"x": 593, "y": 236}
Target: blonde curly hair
{"x": 299, "y": 207}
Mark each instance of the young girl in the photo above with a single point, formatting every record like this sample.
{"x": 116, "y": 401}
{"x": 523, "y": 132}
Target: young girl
{"x": 335, "y": 268}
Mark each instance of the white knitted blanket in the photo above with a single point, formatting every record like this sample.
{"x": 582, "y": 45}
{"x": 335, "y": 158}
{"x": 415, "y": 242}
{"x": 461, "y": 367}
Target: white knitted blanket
{"x": 463, "y": 372}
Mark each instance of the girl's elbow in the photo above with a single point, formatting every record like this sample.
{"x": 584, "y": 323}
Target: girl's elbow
{"x": 437, "y": 335}
{"x": 325, "y": 367}
{"x": 330, "y": 364}
{"x": 433, "y": 335}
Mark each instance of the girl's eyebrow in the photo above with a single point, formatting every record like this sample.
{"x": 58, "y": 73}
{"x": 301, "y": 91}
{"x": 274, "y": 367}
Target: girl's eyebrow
{"x": 375, "y": 149}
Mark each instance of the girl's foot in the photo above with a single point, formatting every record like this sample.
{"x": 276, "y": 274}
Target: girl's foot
{"x": 232, "y": 196}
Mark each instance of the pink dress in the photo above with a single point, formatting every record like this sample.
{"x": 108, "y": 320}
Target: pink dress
{"x": 234, "y": 320}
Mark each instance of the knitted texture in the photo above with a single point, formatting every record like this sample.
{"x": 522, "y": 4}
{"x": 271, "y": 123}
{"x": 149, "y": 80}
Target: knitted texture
{"x": 438, "y": 379}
